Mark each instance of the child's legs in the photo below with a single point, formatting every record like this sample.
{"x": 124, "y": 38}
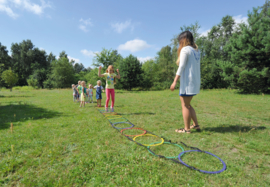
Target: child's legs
{"x": 74, "y": 98}
{"x": 91, "y": 98}
{"x": 107, "y": 97}
{"x": 113, "y": 96}
{"x": 186, "y": 112}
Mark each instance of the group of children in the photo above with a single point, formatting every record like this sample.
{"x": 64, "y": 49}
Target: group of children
{"x": 84, "y": 95}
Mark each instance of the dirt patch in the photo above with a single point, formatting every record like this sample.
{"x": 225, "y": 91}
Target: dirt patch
{"x": 234, "y": 150}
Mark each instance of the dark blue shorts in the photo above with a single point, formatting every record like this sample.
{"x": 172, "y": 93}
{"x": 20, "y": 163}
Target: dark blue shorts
{"x": 186, "y": 95}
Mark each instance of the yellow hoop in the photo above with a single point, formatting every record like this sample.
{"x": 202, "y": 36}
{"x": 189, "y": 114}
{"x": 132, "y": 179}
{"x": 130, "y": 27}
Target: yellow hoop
{"x": 162, "y": 140}
{"x": 110, "y": 114}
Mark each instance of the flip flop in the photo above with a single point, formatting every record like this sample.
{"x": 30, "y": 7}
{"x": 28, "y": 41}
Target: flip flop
{"x": 182, "y": 131}
{"x": 197, "y": 127}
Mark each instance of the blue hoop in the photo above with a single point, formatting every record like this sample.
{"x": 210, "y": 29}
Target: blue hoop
{"x": 113, "y": 124}
{"x": 210, "y": 172}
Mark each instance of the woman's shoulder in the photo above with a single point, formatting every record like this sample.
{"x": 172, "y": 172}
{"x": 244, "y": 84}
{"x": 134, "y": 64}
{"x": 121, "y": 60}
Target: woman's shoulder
{"x": 190, "y": 49}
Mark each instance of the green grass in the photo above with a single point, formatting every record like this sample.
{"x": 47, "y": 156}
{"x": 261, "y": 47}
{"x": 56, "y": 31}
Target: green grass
{"x": 56, "y": 143}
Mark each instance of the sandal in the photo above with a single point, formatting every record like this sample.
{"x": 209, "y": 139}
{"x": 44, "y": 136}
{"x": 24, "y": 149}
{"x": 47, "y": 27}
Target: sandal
{"x": 182, "y": 131}
{"x": 197, "y": 127}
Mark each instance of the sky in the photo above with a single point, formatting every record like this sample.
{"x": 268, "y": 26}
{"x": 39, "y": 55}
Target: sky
{"x": 84, "y": 27}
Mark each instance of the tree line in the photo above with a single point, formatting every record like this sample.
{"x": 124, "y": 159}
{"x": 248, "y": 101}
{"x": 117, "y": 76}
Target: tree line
{"x": 232, "y": 56}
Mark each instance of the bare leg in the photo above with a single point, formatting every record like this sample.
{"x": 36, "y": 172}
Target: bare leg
{"x": 186, "y": 111}
{"x": 193, "y": 116}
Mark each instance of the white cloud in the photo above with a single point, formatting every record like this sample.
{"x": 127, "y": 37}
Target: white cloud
{"x": 240, "y": 19}
{"x": 32, "y": 7}
{"x": 75, "y": 59}
{"x": 7, "y": 10}
{"x": 133, "y": 45}
{"x": 3, "y": 1}
{"x": 144, "y": 59}
{"x": 204, "y": 33}
{"x": 23, "y": 4}
{"x": 119, "y": 27}
{"x": 89, "y": 53}
{"x": 84, "y": 24}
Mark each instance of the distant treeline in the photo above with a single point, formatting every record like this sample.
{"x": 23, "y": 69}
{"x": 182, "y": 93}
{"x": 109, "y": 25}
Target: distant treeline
{"x": 232, "y": 56}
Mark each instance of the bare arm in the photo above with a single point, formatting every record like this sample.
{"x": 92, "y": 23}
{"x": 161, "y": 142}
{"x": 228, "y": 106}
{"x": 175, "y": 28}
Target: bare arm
{"x": 99, "y": 74}
{"x": 117, "y": 76}
{"x": 174, "y": 82}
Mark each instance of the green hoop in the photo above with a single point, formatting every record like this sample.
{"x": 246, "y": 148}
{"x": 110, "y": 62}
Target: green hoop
{"x": 170, "y": 157}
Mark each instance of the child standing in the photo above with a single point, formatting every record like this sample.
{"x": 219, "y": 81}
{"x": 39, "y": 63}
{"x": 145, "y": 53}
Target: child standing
{"x": 83, "y": 93}
{"x": 90, "y": 93}
{"x": 74, "y": 93}
{"x": 110, "y": 82}
{"x": 99, "y": 89}
{"x": 78, "y": 88}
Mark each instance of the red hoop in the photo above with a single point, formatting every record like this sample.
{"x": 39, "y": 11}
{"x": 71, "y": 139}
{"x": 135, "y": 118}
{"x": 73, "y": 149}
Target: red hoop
{"x": 135, "y": 134}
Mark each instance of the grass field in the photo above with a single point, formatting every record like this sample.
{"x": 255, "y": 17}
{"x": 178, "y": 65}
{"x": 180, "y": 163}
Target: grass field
{"x": 56, "y": 143}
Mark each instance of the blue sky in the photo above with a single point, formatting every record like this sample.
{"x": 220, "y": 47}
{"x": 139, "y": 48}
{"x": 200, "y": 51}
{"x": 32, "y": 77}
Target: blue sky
{"x": 83, "y": 27}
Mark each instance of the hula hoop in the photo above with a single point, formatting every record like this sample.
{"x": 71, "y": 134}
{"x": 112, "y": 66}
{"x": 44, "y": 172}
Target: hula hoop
{"x": 122, "y": 122}
{"x": 203, "y": 171}
{"x": 111, "y": 121}
{"x": 162, "y": 140}
{"x": 171, "y": 157}
{"x": 117, "y": 119}
{"x": 113, "y": 116}
{"x": 134, "y": 135}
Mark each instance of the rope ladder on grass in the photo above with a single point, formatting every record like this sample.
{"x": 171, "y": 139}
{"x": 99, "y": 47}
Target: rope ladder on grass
{"x": 115, "y": 119}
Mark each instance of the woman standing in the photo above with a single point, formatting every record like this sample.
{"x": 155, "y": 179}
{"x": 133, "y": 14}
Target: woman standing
{"x": 190, "y": 78}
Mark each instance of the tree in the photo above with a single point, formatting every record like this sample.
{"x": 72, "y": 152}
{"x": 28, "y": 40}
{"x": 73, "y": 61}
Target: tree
{"x": 166, "y": 64}
{"x": 131, "y": 72}
{"x": 10, "y": 78}
{"x": 212, "y": 52}
{"x": 5, "y": 59}
{"x": 38, "y": 77}
{"x": 63, "y": 55}
{"x": 78, "y": 67}
{"x": 26, "y": 59}
{"x": 106, "y": 58}
{"x": 51, "y": 57}
{"x": 62, "y": 74}
{"x": 250, "y": 54}
{"x": 150, "y": 75}
{"x": 92, "y": 76}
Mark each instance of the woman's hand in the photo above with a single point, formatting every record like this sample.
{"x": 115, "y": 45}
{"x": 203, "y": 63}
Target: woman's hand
{"x": 117, "y": 71}
{"x": 100, "y": 67}
{"x": 174, "y": 82}
{"x": 173, "y": 86}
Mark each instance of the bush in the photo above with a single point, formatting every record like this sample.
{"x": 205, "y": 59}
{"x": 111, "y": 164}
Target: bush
{"x": 48, "y": 84}
{"x": 23, "y": 88}
{"x": 32, "y": 82}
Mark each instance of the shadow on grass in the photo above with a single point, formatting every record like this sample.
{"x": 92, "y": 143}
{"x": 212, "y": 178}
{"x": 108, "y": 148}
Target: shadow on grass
{"x": 10, "y": 96}
{"x": 233, "y": 128}
{"x": 23, "y": 112}
{"x": 138, "y": 113}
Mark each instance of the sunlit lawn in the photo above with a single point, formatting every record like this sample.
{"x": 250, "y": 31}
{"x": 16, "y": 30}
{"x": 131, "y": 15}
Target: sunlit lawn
{"x": 56, "y": 143}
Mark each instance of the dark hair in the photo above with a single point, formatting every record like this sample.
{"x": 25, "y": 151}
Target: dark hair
{"x": 185, "y": 39}
{"x": 188, "y": 36}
